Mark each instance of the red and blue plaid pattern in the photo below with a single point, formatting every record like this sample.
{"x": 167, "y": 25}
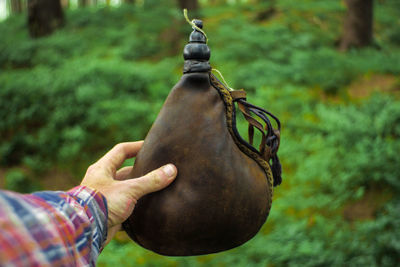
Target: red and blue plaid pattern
{"x": 52, "y": 228}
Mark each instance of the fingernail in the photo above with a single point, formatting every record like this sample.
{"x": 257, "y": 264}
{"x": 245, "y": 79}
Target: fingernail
{"x": 169, "y": 170}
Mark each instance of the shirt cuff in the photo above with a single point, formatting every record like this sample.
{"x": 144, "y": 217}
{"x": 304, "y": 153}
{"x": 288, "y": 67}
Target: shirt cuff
{"x": 96, "y": 209}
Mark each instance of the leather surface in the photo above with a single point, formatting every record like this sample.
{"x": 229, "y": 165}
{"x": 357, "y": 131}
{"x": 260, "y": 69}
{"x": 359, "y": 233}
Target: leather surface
{"x": 220, "y": 197}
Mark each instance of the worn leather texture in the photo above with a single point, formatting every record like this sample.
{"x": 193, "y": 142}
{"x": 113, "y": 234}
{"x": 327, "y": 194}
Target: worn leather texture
{"x": 221, "y": 196}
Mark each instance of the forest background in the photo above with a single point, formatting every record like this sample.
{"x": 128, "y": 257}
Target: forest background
{"x": 77, "y": 77}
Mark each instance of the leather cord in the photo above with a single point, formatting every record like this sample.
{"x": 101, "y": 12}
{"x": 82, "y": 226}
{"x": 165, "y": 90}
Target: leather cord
{"x": 270, "y": 137}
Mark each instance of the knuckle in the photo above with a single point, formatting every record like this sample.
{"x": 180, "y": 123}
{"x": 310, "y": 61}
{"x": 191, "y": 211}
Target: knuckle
{"x": 119, "y": 147}
{"x": 92, "y": 168}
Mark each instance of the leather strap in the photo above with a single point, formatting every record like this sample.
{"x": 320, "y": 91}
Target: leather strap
{"x": 238, "y": 94}
{"x": 270, "y": 137}
{"x": 253, "y": 123}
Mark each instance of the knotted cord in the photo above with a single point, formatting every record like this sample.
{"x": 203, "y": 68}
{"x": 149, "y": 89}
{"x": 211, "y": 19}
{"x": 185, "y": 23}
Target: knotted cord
{"x": 194, "y": 26}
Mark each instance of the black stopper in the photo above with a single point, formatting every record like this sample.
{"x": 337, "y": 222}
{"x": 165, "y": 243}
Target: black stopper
{"x": 196, "y": 53}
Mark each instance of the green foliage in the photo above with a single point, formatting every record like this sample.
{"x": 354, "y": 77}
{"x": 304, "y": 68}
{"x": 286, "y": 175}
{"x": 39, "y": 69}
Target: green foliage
{"x": 19, "y": 181}
{"x": 388, "y": 16}
{"x": 298, "y": 47}
{"x": 304, "y": 59}
{"x": 67, "y": 98}
{"x": 76, "y": 92}
{"x": 349, "y": 150}
{"x": 84, "y": 105}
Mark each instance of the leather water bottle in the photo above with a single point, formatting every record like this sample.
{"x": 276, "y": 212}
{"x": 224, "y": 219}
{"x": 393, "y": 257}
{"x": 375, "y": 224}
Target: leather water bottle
{"x": 223, "y": 192}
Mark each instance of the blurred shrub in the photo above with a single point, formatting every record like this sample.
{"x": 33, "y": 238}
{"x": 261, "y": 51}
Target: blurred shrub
{"x": 64, "y": 114}
{"x": 298, "y": 49}
{"x": 349, "y": 148}
{"x": 388, "y": 16}
{"x": 19, "y": 181}
{"x": 72, "y": 93}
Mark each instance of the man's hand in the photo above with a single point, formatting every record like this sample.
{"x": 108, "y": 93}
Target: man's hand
{"x": 122, "y": 194}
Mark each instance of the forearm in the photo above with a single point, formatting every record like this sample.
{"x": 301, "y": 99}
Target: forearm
{"x": 52, "y": 228}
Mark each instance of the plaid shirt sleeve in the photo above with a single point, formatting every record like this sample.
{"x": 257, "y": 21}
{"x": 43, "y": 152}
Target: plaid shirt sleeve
{"x": 52, "y": 228}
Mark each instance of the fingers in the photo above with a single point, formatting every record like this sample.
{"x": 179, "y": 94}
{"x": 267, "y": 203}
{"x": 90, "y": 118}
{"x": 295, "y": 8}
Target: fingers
{"x": 122, "y": 174}
{"x": 118, "y": 154}
{"x": 154, "y": 181}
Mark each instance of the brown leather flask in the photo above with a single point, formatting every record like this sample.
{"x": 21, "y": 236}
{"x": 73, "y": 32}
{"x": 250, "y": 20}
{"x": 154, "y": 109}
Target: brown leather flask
{"x": 223, "y": 192}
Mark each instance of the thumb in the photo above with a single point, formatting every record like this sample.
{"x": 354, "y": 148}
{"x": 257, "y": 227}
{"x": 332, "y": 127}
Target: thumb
{"x": 154, "y": 181}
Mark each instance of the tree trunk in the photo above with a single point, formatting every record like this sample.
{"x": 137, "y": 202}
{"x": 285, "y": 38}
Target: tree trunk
{"x": 266, "y": 10}
{"x": 65, "y": 4}
{"x": 190, "y": 5}
{"x": 44, "y": 16}
{"x": 16, "y": 6}
{"x": 83, "y": 3}
{"x": 357, "y": 27}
